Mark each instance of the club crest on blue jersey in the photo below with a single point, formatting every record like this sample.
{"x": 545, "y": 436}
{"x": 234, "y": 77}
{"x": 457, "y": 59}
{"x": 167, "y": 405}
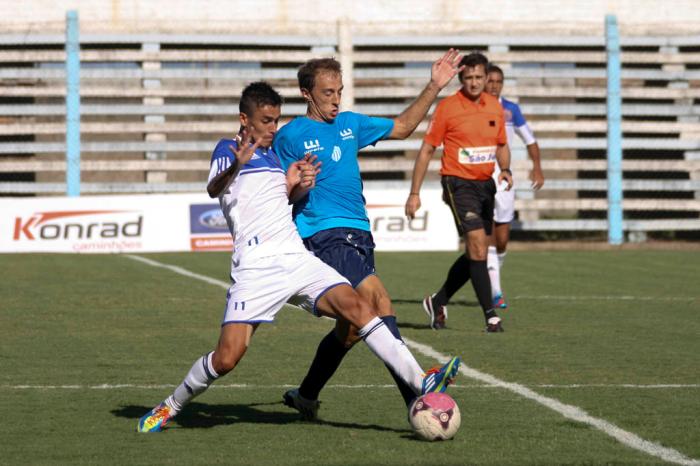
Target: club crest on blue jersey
{"x": 337, "y": 154}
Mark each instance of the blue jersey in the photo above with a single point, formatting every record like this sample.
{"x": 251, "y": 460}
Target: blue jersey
{"x": 337, "y": 199}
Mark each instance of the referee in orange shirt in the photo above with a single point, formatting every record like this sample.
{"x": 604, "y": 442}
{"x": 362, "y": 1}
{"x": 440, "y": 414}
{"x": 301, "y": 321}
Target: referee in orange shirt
{"x": 470, "y": 125}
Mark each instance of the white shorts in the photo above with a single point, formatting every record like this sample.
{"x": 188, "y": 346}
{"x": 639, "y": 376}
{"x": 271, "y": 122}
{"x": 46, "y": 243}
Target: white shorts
{"x": 504, "y": 206}
{"x": 261, "y": 289}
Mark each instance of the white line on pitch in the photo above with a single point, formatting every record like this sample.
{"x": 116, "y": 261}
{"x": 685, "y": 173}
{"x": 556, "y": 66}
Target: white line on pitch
{"x": 605, "y": 298}
{"x": 569, "y": 411}
{"x": 120, "y": 386}
{"x": 179, "y": 270}
{"x": 619, "y": 385}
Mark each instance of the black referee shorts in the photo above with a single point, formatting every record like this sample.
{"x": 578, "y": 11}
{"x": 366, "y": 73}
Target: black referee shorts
{"x": 471, "y": 202}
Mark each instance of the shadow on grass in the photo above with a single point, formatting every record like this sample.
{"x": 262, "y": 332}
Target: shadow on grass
{"x": 204, "y": 416}
{"x": 419, "y": 302}
{"x": 422, "y": 326}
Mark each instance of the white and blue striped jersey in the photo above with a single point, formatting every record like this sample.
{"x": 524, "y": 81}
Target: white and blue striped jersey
{"x": 516, "y": 123}
{"x": 256, "y": 206}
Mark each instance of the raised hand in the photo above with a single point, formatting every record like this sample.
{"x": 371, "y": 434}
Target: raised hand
{"x": 301, "y": 177}
{"x": 445, "y": 68}
{"x": 245, "y": 150}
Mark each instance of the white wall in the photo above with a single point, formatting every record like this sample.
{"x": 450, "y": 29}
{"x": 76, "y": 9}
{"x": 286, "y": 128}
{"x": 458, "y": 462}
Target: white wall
{"x": 320, "y": 15}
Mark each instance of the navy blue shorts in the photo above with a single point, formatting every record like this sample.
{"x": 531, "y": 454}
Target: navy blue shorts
{"x": 348, "y": 250}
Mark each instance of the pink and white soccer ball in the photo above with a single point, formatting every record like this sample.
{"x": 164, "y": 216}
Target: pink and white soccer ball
{"x": 435, "y": 416}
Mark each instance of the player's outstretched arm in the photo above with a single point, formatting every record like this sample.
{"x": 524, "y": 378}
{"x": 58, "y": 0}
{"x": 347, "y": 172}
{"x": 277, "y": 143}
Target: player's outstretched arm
{"x": 419, "y": 169}
{"x": 241, "y": 155}
{"x": 301, "y": 177}
{"x": 441, "y": 73}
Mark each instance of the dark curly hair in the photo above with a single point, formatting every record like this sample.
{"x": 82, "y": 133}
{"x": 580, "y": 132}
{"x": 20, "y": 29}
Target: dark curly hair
{"x": 256, "y": 95}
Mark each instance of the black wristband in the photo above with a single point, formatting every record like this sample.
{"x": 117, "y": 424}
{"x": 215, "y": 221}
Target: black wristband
{"x": 507, "y": 170}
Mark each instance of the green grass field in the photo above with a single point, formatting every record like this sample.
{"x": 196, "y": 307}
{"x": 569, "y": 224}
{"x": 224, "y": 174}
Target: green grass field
{"x": 90, "y": 343}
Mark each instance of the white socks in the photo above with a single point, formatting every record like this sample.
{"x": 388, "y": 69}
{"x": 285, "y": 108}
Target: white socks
{"x": 198, "y": 379}
{"x": 493, "y": 263}
{"x": 393, "y": 353}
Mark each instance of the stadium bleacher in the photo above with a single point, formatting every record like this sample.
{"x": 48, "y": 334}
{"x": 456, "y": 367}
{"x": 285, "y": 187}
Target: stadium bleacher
{"x": 154, "y": 104}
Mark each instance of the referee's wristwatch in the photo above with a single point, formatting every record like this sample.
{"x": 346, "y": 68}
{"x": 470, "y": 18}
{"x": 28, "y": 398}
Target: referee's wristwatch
{"x": 507, "y": 170}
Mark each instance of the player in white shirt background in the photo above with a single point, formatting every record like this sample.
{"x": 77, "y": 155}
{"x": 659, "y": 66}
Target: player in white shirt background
{"x": 504, "y": 210}
{"x": 270, "y": 265}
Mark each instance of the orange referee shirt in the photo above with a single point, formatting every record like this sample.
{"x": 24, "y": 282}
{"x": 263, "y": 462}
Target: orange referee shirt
{"x": 470, "y": 133}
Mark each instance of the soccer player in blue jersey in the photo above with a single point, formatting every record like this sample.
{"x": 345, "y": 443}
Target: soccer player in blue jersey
{"x": 504, "y": 209}
{"x": 270, "y": 265}
{"x": 332, "y": 218}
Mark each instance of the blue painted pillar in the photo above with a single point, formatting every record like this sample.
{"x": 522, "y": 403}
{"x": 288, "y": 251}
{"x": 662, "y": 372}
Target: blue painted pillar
{"x": 614, "y": 110}
{"x": 72, "y": 104}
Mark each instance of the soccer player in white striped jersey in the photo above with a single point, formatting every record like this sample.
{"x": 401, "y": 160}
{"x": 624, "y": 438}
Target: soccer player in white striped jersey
{"x": 504, "y": 209}
{"x": 270, "y": 265}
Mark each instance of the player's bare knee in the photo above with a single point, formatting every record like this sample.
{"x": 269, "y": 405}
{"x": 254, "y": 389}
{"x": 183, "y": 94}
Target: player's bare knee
{"x": 346, "y": 303}
{"x": 477, "y": 251}
{"x": 378, "y": 297}
{"x": 225, "y": 359}
{"x": 379, "y": 301}
{"x": 382, "y": 304}
{"x": 359, "y": 311}
{"x": 223, "y": 364}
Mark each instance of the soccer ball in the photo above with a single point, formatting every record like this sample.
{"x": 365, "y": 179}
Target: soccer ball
{"x": 434, "y": 416}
